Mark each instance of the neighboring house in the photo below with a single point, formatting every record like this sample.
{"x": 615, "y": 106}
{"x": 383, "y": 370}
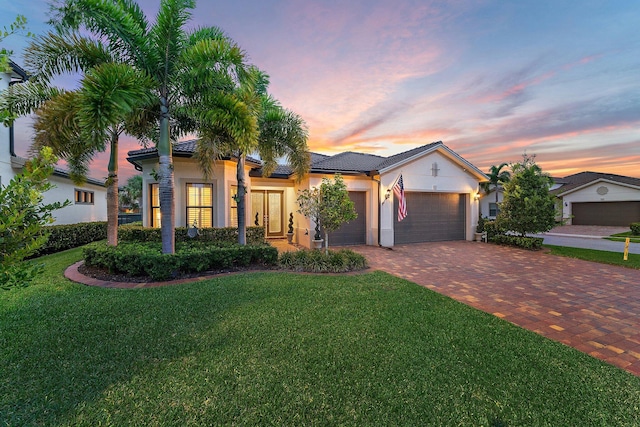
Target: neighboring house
{"x": 88, "y": 202}
{"x": 441, "y": 192}
{"x": 593, "y": 198}
{"x": 488, "y": 206}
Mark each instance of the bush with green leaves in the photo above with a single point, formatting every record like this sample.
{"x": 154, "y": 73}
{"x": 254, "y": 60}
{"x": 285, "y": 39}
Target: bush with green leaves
{"x": 22, "y": 220}
{"x": 635, "y": 228}
{"x": 531, "y": 243}
{"x": 133, "y": 233}
{"x": 147, "y": 259}
{"x": 527, "y": 205}
{"x": 315, "y": 261}
{"x": 68, "y": 236}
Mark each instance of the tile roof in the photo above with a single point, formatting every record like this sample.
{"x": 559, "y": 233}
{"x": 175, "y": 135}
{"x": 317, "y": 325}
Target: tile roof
{"x": 582, "y": 178}
{"x": 347, "y": 162}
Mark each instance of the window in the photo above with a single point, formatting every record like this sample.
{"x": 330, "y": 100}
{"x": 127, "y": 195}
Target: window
{"x": 233, "y": 207}
{"x": 200, "y": 205}
{"x": 154, "y": 192}
{"x": 84, "y": 197}
{"x": 493, "y": 209}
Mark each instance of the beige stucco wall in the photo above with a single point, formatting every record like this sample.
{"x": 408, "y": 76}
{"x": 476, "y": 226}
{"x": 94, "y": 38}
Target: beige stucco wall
{"x": 615, "y": 193}
{"x": 417, "y": 176}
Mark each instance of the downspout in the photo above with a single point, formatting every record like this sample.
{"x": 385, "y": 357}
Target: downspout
{"x": 378, "y": 202}
{"x": 12, "y": 150}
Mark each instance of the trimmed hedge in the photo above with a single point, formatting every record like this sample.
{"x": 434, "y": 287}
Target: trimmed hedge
{"x": 147, "y": 259}
{"x": 255, "y": 235}
{"x": 69, "y": 236}
{"x": 316, "y": 261}
{"x": 531, "y": 243}
{"x": 635, "y": 228}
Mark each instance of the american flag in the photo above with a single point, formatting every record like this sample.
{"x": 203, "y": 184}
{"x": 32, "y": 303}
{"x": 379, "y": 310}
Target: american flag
{"x": 398, "y": 191}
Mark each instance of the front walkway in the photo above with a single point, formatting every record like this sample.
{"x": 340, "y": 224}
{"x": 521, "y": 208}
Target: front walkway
{"x": 592, "y": 307}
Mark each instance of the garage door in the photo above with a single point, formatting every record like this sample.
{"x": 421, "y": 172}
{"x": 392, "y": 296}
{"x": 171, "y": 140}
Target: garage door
{"x": 605, "y": 213}
{"x": 354, "y": 232}
{"x": 431, "y": 217}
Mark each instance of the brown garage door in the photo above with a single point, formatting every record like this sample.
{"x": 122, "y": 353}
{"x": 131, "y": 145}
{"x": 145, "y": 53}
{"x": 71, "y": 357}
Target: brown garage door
{"x": 605, "y": 213}
{"x": 431, "y": 217}
{"x": 354, "y": 232}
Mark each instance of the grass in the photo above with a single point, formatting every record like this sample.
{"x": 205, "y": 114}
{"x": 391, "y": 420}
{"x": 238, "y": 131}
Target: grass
{"x": 605, "y": 257}
{"x": 621, "y": 237}
{"x": 287, "y": 349}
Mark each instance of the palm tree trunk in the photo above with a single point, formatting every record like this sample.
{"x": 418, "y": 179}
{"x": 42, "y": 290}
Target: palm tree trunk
{"x": 112, "y": 192}
{"x": 242, "y": 224}
{"x": 165, "y": 171}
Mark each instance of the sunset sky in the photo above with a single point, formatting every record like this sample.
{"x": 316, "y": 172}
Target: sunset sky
{"x": 491, "y": 79}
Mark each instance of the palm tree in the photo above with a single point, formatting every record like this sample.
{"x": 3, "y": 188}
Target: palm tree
{"x": 260, "y": 125}
{"x": 173, "y": 59}
{"x": 497, "y": 177}
{"x": 78, "y": 124}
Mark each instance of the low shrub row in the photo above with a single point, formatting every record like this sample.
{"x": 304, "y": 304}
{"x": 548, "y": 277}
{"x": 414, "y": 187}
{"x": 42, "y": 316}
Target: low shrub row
{"x": 63, "y": 237}
{"x": 316, "y": 261}
{"x": 147, "y": 259}
{"x": 130, "y": 233}
{"x": 531, "y": 243}
{"x": 635, "y": 228}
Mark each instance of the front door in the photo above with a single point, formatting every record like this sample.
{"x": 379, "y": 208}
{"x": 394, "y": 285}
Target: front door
{"x": 266, "y": 210}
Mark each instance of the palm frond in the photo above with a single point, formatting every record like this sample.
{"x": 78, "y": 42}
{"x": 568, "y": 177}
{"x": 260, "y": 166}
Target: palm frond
{"x": 25, "y": 98}
{"x": 120, "y": 24}
{"x": 54, "y": 54}
{"x": 168, "y": 37}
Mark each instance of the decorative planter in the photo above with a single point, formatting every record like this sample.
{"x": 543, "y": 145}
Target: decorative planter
{"x": 289, "y": 238}
{"x": 316, "y": 244}
{"x": 478, "y": 237}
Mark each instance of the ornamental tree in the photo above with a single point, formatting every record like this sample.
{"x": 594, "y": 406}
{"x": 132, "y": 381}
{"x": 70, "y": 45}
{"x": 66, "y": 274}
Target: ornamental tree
{"x": 527, "y": 206}
{"x": 22, "y": 217}
{"x": 329, "y": 206}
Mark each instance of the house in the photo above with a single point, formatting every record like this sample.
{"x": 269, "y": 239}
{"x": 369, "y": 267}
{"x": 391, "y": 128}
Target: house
{"x": 594, "y": 198}
{"x": 88, "y": 202}
{"x": 441, "y": 192}
{"x": 489, "y": 207}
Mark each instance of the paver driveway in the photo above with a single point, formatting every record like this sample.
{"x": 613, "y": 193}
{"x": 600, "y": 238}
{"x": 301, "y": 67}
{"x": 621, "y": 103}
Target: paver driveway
{"x": 592, "y": 307}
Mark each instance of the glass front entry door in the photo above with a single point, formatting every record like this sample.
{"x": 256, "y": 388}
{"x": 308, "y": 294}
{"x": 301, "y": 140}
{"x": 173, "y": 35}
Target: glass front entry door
{"x": 266, "y": 210}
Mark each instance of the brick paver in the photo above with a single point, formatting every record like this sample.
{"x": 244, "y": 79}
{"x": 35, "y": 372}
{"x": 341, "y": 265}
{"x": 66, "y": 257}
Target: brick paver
{"x": 592, "y": 307}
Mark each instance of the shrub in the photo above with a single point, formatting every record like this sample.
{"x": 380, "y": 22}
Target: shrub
{"x": 531, "y": 243}
{"x": 146, "y": 259}
{"x": 315, "y": 261}
{"x": 63, "y": 237}
{"x": 635, "y": 228}
{"x": 255, "y": 235}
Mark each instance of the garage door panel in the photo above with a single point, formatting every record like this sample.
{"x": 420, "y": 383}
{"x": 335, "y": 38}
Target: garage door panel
{"x": 354, "y": 232}
{"x": 431, "y": 217}
{"x": 605, "y": 213}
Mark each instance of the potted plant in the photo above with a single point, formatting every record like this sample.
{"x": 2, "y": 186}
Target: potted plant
{"x": 317, "y": 237}
{"x": 290, "y": 231}
{"x": 479, "y": 234}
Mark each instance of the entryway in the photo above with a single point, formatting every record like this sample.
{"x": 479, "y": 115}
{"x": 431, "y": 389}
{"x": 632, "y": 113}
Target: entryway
{"x": 267, "y": 210}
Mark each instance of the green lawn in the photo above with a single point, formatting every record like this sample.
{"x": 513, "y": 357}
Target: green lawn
{"x": 287, "y": 349}
{"x": 605, "y": 257}
{"x": 621, "y": 237}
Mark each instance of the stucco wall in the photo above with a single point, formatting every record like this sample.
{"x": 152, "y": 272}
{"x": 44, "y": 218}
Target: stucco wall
{"x": 417, "y": 176}
{"x": 615, "y": 193}
{"x": 486, "y": 199}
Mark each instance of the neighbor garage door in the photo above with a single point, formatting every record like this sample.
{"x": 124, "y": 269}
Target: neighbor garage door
{"x": 605, "y": 213}
{"x": 354, "y": 232}
{"x": 431, "y": 217}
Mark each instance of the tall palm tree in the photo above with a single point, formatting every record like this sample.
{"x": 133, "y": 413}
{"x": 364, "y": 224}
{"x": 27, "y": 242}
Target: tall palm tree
{"x": 261, "y": 125}
{"x": 497, "y": 177}
{"x": 172, "y": 58}
{"x": 78, "y": 124}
